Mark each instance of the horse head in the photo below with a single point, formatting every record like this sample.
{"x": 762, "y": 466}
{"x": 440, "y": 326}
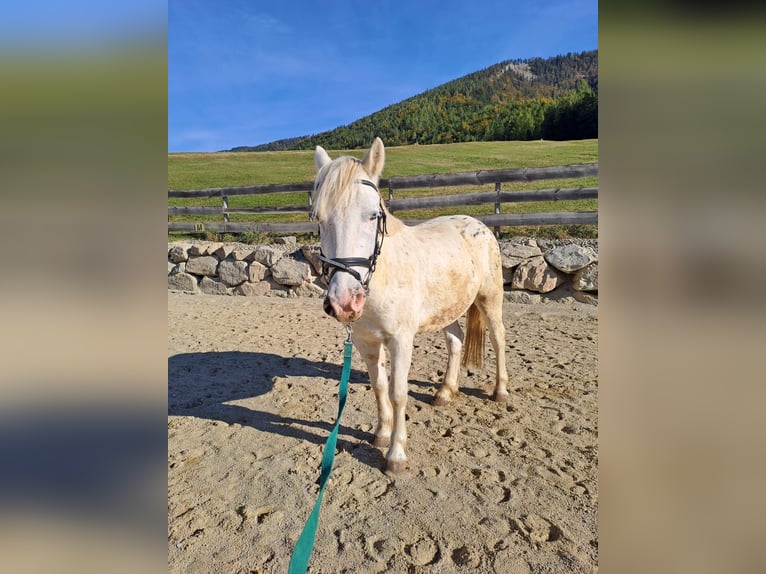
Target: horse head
{"x": 351, "y": 219}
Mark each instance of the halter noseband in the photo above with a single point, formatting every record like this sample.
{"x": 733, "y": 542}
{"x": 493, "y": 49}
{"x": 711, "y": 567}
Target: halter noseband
{"x": 332, "y": 266}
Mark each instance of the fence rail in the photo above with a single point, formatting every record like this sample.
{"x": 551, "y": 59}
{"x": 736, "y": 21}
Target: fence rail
{"x": 183, "y": 210}
{"x": 398, "y": 183}
{"x": 246, "y": 190}
{"x": 557, "y": 194}
{"x": 483, "y": 177}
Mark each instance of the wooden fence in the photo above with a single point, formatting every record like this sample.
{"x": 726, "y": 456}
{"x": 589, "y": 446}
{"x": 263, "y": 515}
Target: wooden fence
{"x": 393, "y": 184}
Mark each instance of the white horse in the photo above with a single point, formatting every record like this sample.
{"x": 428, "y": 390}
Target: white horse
{"x": 393, "y": 281}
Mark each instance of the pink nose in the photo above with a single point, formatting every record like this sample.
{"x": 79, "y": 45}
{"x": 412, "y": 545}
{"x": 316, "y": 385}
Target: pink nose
{"x": 345, "y": 309}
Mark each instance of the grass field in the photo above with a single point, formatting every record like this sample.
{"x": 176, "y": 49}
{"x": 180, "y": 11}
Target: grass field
{"x": 206, "y": 170}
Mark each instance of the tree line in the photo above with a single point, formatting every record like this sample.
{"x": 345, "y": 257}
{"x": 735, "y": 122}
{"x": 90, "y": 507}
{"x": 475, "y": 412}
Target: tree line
{"x": 553, "y": 99}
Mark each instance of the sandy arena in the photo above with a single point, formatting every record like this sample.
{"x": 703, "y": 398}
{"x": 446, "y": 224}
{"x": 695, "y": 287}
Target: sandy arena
{"x": 253, "y": 391}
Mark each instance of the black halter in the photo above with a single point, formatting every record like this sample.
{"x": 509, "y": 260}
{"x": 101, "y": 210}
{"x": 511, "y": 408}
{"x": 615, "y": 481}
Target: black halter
{"x": 332, "y": 266}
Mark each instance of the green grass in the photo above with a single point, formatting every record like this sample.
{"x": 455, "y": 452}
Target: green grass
{"x": 206, "y": 170}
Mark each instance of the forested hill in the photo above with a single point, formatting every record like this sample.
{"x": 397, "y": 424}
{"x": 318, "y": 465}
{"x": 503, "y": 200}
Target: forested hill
{"x": 554, "y": 98}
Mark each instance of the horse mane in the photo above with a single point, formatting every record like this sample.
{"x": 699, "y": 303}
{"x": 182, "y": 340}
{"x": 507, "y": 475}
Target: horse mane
{"x": 332, "y": 184}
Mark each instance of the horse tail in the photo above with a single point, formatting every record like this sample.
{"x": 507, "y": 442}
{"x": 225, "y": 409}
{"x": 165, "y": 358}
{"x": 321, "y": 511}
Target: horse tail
{"x": 473, "y": 346}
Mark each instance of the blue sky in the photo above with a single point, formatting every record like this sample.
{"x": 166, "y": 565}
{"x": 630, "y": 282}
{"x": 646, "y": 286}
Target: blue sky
{"x": 250, "y": 72}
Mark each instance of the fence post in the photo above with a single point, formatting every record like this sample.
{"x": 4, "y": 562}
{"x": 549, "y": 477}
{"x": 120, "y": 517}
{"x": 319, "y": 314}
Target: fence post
{"x": 390, "y": 194}
{"x": 497, "y": 207}
{"x": 225, "y": 210}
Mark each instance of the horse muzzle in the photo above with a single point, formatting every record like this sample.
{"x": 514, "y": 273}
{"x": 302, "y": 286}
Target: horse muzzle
{"x": 346, "y": 308}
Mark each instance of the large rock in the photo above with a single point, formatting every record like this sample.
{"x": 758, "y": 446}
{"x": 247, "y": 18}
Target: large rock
{"x": 515, "y": 253}
{"x": 288, "y": 271}
{"x": 535, "y": 274}
{"x": 183, "y": 282}
{"x": 570, "y": 258}
{"x": 253, "y": 289}
{"x": 201, "y": 248}
{"x": 309, "y": 289}
{"x": 278, "y": 290}
{"x": 213, "y": 287}
{"x": 178, "y": 253}
{"x": 256, "y": 272}
{"x": 232, "y": 273}
{"x": 242, "y": 253}
{"x": 311, "y": 253}
{"x": 223, "y": 251}
{"x": 586, "y": 279}
{"x": 204, "y": 265}
{"x": 511, "y": 254}
{"x": 267, "y": 255}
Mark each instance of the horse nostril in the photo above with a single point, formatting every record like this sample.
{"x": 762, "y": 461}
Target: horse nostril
{"x": 328, "y": 308}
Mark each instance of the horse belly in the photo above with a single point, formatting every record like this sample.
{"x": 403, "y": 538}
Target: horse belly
{"x": 447, "y": 295}
{"x": 465, "y": 260}
{"x": 445, "y": 301}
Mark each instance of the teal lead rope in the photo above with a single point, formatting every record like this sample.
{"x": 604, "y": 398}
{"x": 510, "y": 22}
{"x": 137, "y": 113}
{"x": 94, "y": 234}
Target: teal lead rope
{"x": 305, "y": 544}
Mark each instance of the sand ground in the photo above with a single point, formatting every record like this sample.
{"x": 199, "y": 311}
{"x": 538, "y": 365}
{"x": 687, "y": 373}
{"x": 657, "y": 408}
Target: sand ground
{"x": 491, "y": 488}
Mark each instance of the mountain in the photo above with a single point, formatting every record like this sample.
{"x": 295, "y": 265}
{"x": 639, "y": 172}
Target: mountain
{"x": 554, "y": 98}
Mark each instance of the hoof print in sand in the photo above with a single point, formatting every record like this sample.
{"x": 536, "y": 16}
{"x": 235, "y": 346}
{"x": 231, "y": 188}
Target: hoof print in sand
{"x": 424, "y": 551}
{"x": 537, "y": 530}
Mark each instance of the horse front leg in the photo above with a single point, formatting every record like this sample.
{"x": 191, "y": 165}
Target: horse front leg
{"x": 374, "y": 356}
{"x": 400, "y": 349}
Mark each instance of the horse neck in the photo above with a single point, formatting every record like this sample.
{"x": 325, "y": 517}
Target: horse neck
{"x": 396, "y": 235}
{"x": 394, "y": 225}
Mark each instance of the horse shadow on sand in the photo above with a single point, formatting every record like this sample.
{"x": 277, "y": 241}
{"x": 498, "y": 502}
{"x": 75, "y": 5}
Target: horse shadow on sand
{"x": 203, "y": 384}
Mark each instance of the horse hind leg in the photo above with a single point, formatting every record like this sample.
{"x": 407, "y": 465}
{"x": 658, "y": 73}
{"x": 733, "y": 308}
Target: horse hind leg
{"x": 453, "y": 335}
{"x": 492, "y": 309}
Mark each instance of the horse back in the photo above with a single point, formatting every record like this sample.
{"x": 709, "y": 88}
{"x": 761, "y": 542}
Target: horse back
{"x": 463, "y": 237}
{"x": 435, "y": 270}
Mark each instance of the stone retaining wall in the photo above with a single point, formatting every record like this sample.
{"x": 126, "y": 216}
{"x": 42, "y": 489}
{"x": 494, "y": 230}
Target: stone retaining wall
{"x": 533, "y": 270}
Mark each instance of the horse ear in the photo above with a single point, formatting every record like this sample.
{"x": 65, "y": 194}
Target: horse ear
{"x": 321, "y": 158}
{"x": 375, "y": 158}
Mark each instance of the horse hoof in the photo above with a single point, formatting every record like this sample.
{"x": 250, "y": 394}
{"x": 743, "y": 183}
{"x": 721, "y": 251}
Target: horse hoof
{"x": 381, "y": 441}
{"x": 500, "y": 397}
{"x": 440, "y": 400}
{"x": 396, "y": 466}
